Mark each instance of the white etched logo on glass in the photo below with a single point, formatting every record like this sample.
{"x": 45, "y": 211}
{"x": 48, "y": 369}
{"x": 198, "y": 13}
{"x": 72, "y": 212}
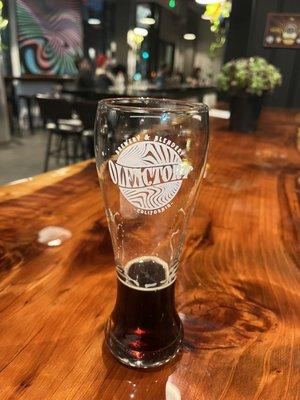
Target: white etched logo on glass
{"x": 149, "y": 173}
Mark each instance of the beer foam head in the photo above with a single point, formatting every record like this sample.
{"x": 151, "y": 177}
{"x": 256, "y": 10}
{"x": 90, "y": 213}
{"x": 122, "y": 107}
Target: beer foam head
{"x": 147, "y": 272}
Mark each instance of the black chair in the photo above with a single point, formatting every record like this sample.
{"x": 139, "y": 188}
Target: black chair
{"x": 57, "y": 116}
{"x": 12, "y": 107}
{"x": 86, "y": 111}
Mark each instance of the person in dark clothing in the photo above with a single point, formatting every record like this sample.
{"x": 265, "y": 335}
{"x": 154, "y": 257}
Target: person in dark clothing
{"x": 196, "y": 77}
{"x": 162, "y": 76}
{"x": 104, "y": 78}
{"x": 85, "y": 77}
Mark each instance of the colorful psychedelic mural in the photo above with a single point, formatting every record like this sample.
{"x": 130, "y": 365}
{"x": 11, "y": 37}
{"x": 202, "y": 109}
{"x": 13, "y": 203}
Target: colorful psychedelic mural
{"x": 49, "y": 35}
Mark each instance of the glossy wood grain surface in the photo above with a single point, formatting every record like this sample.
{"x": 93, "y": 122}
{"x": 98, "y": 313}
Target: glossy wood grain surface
{"x": 238, "y": 289}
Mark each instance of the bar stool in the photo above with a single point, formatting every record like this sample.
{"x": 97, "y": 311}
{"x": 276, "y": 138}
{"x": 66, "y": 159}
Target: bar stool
{"x": 86, "y": 111}
{"x": 57, "y": 116}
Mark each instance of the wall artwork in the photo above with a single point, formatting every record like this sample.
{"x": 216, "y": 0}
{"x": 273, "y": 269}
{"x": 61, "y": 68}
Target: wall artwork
{"x": 282, "y": 30}
{"x": 49, "y": 35}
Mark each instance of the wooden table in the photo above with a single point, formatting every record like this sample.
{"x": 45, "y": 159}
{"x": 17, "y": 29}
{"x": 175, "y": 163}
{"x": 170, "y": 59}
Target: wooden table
{"x": 238, "y": 290}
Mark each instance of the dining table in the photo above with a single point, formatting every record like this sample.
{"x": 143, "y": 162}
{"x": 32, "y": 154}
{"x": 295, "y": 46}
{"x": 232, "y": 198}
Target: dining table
{"x": 237, "y": 289}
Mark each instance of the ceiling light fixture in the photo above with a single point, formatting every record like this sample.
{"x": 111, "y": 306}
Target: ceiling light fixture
{"x": 189, "y": 36}
{"x": 205, "y": 2}
{"x": 147, "y": 21}
{"x": 140, "y": 31}
{"x": 145, "y": 55}
{"x": 94, "y": 21}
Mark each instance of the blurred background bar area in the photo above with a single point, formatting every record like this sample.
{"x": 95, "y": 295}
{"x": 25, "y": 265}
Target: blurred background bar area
{"x": 59, "y": 58}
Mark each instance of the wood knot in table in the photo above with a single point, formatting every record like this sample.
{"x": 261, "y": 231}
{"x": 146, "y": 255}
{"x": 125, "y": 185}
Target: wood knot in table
{"x": 93, "y": 247}
{"x": 9, "y": 258}
{"x": 215, "y": 320}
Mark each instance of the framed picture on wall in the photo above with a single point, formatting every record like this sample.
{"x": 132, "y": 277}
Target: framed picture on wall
{"x": 282, "y": 30}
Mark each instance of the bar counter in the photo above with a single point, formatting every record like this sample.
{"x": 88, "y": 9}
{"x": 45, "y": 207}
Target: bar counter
{"x": 238, "y": 289}
{"x": 175, "y": 92}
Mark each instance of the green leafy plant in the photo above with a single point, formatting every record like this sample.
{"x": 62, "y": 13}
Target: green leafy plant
{"x": 252, "y": 76}
{"x": 3, "y": 21}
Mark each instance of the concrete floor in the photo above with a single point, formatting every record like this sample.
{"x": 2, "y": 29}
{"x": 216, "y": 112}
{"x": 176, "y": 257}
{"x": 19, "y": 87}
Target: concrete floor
{"x": 23, "y": 157}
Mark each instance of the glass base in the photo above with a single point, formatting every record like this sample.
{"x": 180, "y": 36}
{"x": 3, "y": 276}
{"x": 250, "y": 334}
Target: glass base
{"x": 145, "y": 359}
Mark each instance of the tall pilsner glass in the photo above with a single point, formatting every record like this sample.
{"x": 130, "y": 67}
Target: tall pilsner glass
{"x": 150, "y": 156}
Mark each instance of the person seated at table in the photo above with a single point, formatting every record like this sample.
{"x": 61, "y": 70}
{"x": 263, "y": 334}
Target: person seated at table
{"x": 177, "y": 78}
{"x": 85, "y": 78}
{"x": 104, "y": 78}
{"x": 162, "y": 76}
{"x": 196, "y": 77}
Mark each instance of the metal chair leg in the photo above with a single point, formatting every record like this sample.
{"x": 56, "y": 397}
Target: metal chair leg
{"x": 67, "y": 155}
{"x": 30, "y": 118}
{"x": 59, "y": 149}
{"x": 83, "y": 149}
{"x": 48, "y": 151}
{"x": 75, "y": 149}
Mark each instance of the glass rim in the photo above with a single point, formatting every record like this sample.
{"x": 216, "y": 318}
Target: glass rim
{"x": 146, "y": 104}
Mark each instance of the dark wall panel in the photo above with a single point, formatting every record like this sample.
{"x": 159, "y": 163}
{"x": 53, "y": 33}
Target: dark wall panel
{"x": 294, "y": 92}
{"x": 124, "y": 12}
{"x": 238, "y": 30}
{"x": 285, "y": 60}
{"x": 259, "y": 13}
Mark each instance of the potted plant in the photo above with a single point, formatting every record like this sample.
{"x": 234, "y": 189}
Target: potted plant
{"x": 246, "y": 80}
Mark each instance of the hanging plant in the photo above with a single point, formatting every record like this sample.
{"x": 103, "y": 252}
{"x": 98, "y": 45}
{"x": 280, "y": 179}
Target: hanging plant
{"x": 217, "y": 13}
{"x": 3, "y": 22}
